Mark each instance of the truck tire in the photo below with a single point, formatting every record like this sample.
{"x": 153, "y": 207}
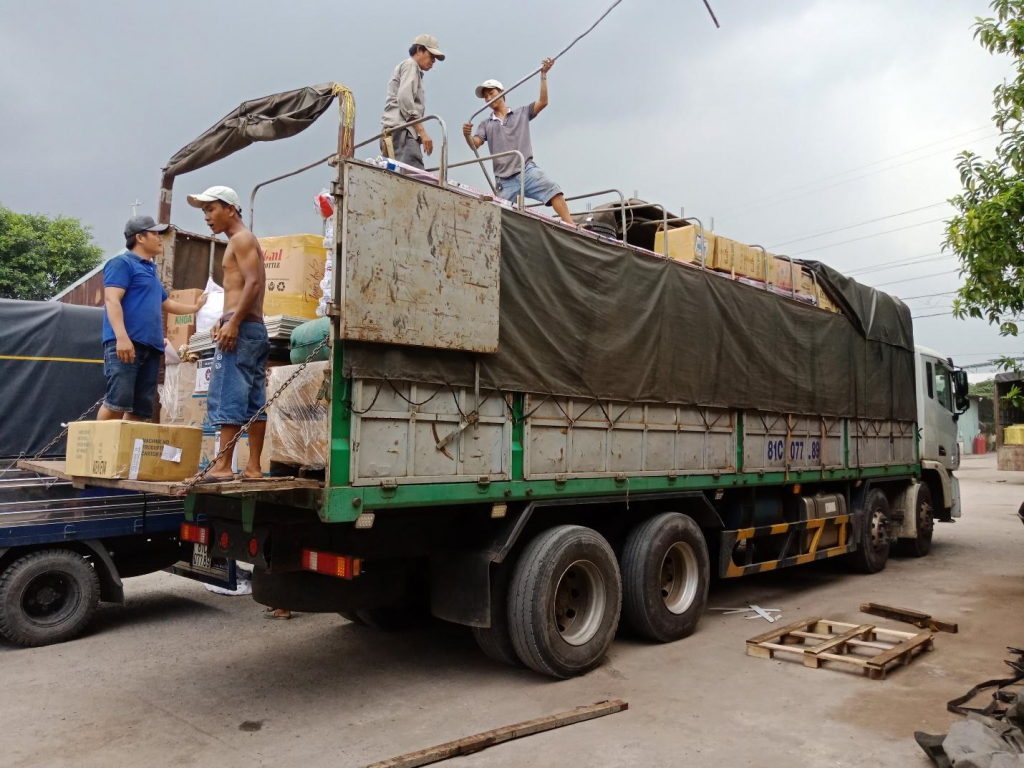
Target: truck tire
{"x": 47, "y": 597}
{"x": 564, "y": 601}
{"x": 496, "y": 640}
{"x": 666, "y": 571}
{"x": 920, "y": 545}
{"x": 875, "y": 533}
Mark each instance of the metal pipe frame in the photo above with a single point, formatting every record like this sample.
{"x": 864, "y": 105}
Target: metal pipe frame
{"x": 522, "y": 171}
{"x": 622, "y": 204}
{"x": 303, "y": 169}
{"x": 767, "y": 283}
{"x": 443, "y": 175}
{"x": 665, "y": 219}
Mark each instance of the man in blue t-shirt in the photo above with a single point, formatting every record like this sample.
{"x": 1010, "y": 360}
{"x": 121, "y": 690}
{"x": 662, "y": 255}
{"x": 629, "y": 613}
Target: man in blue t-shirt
{"x": 134, "y": 303}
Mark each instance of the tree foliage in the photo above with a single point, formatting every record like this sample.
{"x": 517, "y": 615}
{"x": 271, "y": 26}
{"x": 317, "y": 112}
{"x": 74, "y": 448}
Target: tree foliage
{"x": 40, "y": 255}
{"x": 982, "y": 388}
{"x": 987, "y": 234}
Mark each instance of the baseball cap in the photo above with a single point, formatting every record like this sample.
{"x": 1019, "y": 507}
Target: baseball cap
{"x": 137, "y": 224}
{"x": 488, "y": 84}
{"x": 224, "y": 194}
{"x": 430, "y": 43}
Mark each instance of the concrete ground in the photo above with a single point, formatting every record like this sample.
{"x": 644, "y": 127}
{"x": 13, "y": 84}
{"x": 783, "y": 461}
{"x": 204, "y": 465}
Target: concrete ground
{"x": 182, "y": 677}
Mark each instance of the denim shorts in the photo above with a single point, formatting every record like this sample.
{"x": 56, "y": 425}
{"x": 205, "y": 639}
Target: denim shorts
{"x": 131, "y": 387}
{"x": 238, "y": 380}
{"x": 538, "y": 186}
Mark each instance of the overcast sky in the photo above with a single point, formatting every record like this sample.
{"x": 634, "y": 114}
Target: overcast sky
{"x": 795, "y": 118}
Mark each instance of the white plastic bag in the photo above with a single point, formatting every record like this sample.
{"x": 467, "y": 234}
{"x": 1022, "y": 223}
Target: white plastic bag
{"x": 212, "y": 310}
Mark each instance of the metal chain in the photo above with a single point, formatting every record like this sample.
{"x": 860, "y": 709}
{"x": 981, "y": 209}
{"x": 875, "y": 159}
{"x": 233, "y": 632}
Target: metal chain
{"x": 64, "y": 431}
{"x": 200, "y": 476}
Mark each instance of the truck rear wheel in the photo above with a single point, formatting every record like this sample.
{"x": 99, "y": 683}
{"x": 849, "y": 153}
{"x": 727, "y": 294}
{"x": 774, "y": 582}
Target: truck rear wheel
{"x": 875, "y": 533}
{"x": 921, "y": 544}
{"x": 47, "y": 597}
{"x": 564, "y": 601}
{"x": 666, "y": 572}
{"x": 496, "y": 640}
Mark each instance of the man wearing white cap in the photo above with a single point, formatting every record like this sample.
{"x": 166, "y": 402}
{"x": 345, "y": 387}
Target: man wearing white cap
{"x": 406, "y": 101}
{"x": 509, "y": 129}
{"x": 238, "y": 380}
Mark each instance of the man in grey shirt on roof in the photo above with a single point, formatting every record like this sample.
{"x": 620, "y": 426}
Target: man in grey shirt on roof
{"x": 406, "y": 101}
{"x": 508, "y": 129}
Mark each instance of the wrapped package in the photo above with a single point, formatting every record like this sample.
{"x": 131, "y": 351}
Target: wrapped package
{"x": 297, "y": 422}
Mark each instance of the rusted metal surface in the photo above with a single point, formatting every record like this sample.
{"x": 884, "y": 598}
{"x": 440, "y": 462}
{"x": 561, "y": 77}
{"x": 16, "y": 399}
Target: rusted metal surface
{"x": 568, "y": 438}
{"x": 443, "y": 439}
{"x": 420, "y": 264}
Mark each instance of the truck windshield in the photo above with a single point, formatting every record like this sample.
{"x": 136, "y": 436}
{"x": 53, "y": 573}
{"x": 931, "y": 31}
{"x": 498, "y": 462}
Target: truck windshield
{"x": 943, "y": 390}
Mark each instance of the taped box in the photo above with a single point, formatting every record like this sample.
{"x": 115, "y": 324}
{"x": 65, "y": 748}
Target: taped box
{"x": 179, "y": 328}
{"x": 783, "y": 271}
{"x": 737, "y": 259}
{"x": 297, "y": 424}
{"x": 684, "y": 244}
{"x": 133, "y": 450}
{"x": 294, "y": 265}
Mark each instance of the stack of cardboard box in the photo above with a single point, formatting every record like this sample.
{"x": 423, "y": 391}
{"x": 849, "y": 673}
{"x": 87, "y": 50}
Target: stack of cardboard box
{"x": 179, "y": 328}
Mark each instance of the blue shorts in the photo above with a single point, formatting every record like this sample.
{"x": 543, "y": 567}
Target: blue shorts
{"x": 538, "y": 186}
{"x": 238, "y": 380}
{"x": 131, "y": 387}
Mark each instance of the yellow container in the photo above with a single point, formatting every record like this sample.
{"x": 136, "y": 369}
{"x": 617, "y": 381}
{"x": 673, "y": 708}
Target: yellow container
{"x": 1014, "y": 435}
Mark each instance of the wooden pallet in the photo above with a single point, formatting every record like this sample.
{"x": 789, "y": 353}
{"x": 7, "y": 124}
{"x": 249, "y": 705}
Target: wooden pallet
{"x": 867, "y": 648}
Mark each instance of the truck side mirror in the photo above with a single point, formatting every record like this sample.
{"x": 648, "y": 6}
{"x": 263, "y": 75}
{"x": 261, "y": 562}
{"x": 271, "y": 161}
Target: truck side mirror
{"x": 960, "y": 388}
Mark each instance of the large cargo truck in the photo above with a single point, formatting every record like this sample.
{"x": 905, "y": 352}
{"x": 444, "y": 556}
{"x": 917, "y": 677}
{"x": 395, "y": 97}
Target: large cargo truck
{"x": 541, "y": 432}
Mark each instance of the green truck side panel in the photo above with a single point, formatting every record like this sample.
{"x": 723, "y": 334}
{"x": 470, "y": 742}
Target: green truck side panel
{"x": 518, "y": 435}
{"x": 345, "y": 504}
{"x": 739, "y": 441}
{"x": 341, "y": 424}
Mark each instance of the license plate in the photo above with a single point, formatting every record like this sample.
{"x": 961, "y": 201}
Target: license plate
{"x": 201, "y": 556}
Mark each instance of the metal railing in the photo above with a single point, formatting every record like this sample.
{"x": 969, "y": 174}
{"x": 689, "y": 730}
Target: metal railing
{"x": 442, "y": 177}
{"x": 622, "y": 204}
{"x": 509, "y": 153}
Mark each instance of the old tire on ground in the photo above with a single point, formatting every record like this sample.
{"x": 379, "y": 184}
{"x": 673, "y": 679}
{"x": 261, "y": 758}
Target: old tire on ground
{"x": 875, "y": 533}
{"x": 666, "y": 571}
{"x": 921, "y": 545}
{"x": 47, "y": 597}
{"x": 496, "y": 640}
{"x": 564, "y": 601}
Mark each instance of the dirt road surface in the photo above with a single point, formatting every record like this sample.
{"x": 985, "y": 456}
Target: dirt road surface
{"x": 183, "y": 677}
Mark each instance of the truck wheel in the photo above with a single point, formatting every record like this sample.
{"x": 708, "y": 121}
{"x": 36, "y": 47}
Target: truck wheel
{"x": 496, "y": 640}
{"x": 564, "y": 601}
{"x": 47, "y": 597}
{"x": 921, "y": 545}
{"x": 875, "y": 534}
{"x": 666, "y": 571}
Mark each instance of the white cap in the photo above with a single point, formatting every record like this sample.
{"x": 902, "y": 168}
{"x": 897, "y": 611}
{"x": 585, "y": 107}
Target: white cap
{"x": 224, "y": 194}
{"x": 488, "y": 84}
{"x": 430, "y": 43}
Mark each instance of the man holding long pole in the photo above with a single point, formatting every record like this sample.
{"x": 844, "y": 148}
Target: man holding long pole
{"x": 509, "y": 129}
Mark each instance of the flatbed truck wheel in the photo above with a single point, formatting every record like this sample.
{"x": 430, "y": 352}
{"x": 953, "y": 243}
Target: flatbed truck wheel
{"x": 47, "y": 597}
{"x": 666, "y": 571}
{"x": 921, "y": 545}
{"x": 564, "y": 601}
{"x": 875, "y": 533}
{"x": 496, "y": 640}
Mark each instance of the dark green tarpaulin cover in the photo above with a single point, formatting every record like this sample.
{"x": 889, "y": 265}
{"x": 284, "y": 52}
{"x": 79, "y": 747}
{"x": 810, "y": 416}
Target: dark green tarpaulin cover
{"x": 583, "y": 318}
{"x": 62, "y": 377}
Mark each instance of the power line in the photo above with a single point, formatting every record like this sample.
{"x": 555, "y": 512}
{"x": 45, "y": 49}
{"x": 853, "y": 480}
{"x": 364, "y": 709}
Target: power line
{"x": 854, "y": 170}
{"x": 883, "y": 265}
{"x": 937, "y": 314}
{"x": 866, "y": 237}
{"x": 919, "y": 277}
{"x": 926, "y": 295}
{"x": 855, "y": 178}
{"x": 861, "y": 224}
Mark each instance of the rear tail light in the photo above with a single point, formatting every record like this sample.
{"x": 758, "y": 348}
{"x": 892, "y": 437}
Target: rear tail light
{"x": 254, "y": 547}
{"x": 195, "y": 533}
{"x": 342, "y": 566}
{"x": 224, "y": 540}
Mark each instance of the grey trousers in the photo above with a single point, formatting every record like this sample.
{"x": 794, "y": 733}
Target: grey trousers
{"x": 407, "y": 149}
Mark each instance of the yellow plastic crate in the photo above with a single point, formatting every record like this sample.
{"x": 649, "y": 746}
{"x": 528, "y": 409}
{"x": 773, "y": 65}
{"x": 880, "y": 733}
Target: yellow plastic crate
{"x": 1014, "y": 435}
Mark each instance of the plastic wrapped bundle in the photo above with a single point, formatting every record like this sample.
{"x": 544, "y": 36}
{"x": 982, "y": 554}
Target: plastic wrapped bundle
{"x": 297, "y": 422}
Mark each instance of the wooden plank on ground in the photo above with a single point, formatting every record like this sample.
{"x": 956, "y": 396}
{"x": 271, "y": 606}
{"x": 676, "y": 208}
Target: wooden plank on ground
{"x": 480, "y": 741}
{"x": 910, "y": 616}
{"x": 842, "y": 639}
{"x": 882, "y": 659}
{"x": 775, "y": 634}
{"x": 163, "y": 488}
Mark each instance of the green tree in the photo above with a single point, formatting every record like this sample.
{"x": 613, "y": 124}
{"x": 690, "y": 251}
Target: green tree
{"x": 982, "y": 388}
{"x": 40, "y": 256}
{"x": 987, "y": 233}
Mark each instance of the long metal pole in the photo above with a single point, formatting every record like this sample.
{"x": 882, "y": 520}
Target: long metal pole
{"x": 515, "y": 85}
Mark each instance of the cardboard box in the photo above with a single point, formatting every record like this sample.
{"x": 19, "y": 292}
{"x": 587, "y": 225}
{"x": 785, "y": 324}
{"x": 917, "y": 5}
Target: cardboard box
{"x": 133, "y": 450}
{"x": 782, "y": 273}
{"x": 179, "y": 328}
{"x": 297, "y": 427}
{"x": 295, "y": 266}
{"x": 825, "y": 302}
{"x": 721, "y": 256}
{"x": 748, "y": 261}
{"x": 684, "y": 245}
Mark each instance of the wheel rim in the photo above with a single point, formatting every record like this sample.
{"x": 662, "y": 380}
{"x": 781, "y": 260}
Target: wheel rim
{"x": 679, "y": 577}
{"x": 50, "y": 598}
{"x": 579, "y": 604}
{"x": 879, "y": 529}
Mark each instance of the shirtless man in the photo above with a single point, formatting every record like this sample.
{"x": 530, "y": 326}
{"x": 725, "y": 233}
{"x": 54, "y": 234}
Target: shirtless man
{"x": 238, "y": 380}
